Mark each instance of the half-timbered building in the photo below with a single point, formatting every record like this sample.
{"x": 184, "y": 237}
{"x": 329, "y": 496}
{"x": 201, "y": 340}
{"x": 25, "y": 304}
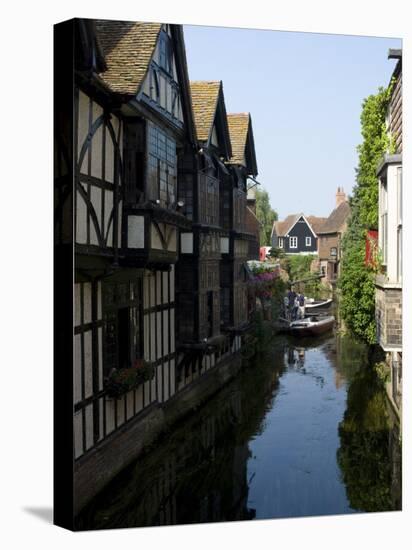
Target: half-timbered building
{"x": 133, "y": 121}
{"x": 159, "y": 197}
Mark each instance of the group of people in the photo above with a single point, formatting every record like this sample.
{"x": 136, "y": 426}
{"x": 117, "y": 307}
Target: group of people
{"x": 294, "y": 305}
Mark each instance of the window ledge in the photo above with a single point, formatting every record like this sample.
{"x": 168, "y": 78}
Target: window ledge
{"x": 382, "y": 281}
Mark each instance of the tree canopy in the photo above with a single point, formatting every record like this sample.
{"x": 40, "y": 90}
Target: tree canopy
{"x": 266, "y": 215}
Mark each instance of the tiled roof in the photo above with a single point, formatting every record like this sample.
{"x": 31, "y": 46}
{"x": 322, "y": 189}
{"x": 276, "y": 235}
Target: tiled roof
{"x": 337, "y": 218}
{"x": 127, "y": 47}
{"x": 205, "y": 95}
{"x": 316, "y": 223}
{"x": 238, "y": 130}
{"x": 282, "y": 227}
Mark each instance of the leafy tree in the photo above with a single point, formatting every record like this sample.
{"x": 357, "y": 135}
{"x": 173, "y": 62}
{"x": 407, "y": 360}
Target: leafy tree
{"x": 357, "y": 280}
{"x": 266, "y": 215}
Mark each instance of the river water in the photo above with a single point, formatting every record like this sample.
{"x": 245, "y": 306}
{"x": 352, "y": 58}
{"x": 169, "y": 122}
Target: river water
{"x": 304, "y": 430}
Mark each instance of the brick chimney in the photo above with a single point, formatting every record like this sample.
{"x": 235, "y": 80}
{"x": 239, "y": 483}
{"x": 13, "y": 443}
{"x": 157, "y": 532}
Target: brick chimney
{"x": 340, "y": 196}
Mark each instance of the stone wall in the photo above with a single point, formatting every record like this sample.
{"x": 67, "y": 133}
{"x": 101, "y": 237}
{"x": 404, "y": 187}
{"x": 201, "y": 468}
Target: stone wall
{"x": 388, "y": 313}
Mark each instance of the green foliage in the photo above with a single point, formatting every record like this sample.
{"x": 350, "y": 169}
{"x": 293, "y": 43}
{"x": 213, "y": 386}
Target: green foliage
{"x": 364, "y": 454}
{"x": 276, "y": 253}
{"x": 370, "y": 151}
{"x": 357, "y": 280}
{"x": 382, "y": 372}
{"x": 298, "y": 267}
{"x": 266, "y": 215}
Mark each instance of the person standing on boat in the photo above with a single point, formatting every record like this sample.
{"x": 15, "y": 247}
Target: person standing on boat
{"x": 296, "y": 308}
{"x": 301, "y": 299}
{"x": 286, "y": 307}
{"x": 291, "y": 298}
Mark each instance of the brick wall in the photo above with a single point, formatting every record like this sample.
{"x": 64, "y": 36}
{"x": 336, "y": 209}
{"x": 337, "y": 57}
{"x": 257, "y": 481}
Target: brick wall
{"x": 326, "y": 242}
{"x": 388, "y": 313}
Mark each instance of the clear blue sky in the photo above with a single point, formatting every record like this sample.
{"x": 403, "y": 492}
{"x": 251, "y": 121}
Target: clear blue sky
{"x": 304, "y": 92}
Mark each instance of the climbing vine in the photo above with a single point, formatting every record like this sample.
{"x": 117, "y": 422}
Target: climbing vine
{"x": 357, "y": 279}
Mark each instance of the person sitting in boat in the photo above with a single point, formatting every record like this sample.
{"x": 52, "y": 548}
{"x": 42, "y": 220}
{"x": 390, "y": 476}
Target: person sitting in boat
{"x": 301, "y": 299}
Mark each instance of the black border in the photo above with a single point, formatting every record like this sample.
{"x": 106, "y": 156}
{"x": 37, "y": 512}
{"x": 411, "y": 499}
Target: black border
{"x": 63, "y": 497}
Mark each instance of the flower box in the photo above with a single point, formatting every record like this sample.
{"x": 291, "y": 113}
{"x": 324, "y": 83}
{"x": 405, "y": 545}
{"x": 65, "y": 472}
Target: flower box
{"x": 120, "y": 381}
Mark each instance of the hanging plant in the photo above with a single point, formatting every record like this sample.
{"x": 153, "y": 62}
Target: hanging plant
{"x": 120, "y": 381}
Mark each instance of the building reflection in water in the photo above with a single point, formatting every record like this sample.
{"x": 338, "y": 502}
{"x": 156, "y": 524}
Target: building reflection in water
{"x": 199, "y": 471}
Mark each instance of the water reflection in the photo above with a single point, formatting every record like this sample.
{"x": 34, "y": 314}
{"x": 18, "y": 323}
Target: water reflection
{"x": 279, "y": 441}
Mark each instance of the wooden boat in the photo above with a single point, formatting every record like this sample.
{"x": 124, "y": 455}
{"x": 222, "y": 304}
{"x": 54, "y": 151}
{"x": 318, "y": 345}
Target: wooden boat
{"x": 311, "y": 326}
{"x": 317, "y": 304}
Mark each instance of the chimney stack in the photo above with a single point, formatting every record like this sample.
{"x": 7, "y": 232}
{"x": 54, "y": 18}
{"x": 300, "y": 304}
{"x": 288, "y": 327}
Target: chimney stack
{"x": 340, "y": 196}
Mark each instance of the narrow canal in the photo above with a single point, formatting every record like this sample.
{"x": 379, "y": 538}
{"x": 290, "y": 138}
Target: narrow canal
{"x": 304, "y": 430}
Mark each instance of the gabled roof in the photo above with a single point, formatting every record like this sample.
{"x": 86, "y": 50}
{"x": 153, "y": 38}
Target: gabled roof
{"x": 238, "y": 130}
{"x": 282, "y": 228}
{"x": 208, "y": 104}
{"x": 205, "y": 94}
{"x": 337, "y": 218}
{"x": 127, "y": 48}
{"x": 241, "y": 138}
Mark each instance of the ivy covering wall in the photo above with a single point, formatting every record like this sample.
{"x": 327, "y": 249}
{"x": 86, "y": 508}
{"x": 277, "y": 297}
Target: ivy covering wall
{"x": 357, "y": 281}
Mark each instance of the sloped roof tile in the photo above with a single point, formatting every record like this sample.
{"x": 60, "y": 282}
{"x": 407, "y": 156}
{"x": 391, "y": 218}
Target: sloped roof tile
{"x": 316, "y": 223}
{"x": 205, "y": 94}
{"x": 127, "y": 48}
{"x": 282, "y": 227}
{"x": 238, "y": 130}
{"x": 337, "y": 218}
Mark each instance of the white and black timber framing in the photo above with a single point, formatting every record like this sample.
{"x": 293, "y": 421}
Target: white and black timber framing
{"x": 126, "y": 230}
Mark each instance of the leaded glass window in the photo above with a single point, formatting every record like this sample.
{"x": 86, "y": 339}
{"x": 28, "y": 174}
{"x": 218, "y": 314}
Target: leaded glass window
{"x": 162, "y": 167}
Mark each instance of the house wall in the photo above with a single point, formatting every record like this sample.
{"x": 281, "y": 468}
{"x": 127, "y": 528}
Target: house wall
{"x": 392, "y": 219}
{"x": 94, "y": 470}
{"x": 301, "y": 231}
{"x": 326, "y": 242}
{"x": 98, "y": 151}
{"x": 96, "y": 415}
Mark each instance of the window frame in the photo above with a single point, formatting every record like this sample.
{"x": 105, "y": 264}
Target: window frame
{"x": 294, "y": 240}
{"x": 308, "y": 240}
